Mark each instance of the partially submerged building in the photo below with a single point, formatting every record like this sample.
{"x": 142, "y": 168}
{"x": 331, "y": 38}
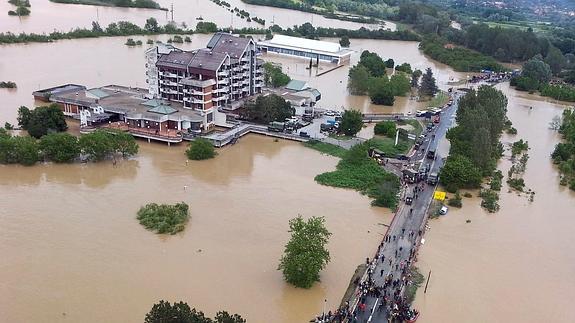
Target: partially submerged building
{"x": 185, "y": 90}
{"x": 306, "y": 48}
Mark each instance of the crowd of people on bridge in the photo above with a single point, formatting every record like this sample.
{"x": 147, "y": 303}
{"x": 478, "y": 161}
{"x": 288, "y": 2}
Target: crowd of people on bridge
{"x": 389, "y": 295}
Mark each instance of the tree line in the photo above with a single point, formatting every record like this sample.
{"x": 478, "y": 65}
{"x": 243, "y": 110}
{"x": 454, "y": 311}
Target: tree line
{"x": 537, "y": 74}
{"x": 64, "y": 147}
{"x": 307, "y": 30}
{"x": 564, "y": 153}
{"x": 475, "y": 146}
{"x": 150, "y": 4}
{"x": 369, "y": 77}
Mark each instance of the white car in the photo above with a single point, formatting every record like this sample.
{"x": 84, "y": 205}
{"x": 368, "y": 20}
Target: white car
{"x": 443, "y": 210}
{"x": 330, "y": 113}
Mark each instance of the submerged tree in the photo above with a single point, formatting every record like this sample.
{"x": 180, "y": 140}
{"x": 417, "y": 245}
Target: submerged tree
{"x": 305, "y": 254}
{"x": 428, "y": 86}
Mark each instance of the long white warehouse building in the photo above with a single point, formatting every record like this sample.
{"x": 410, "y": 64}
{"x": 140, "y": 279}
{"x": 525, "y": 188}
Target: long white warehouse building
{"x": 308, "y": 48}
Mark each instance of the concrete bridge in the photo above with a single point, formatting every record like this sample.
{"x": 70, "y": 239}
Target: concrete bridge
{"x": 231, "y": 136}
{"x": 371, "y": 117}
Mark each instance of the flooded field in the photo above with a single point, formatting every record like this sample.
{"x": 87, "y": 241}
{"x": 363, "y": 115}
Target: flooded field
{"x": 515, "y": 265}
{"x": 48, "y": 16}
{"x": 74, "y": 251}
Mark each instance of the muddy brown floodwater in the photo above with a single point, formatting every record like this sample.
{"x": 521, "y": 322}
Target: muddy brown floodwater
{"x": 48, "y": 16}
{"x": 72, "y": 249}
{"x": 516, "y": 265}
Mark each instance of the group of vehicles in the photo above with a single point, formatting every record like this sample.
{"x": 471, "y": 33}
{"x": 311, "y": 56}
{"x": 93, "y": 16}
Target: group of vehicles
{"x": 289, "y": 126}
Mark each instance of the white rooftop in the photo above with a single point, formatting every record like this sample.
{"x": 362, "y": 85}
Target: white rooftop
{"x": 304, "y": 43}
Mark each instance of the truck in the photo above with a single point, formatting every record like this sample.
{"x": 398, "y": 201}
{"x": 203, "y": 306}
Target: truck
{"x": 276, "y": 126}
{"x": 432, "y": 178}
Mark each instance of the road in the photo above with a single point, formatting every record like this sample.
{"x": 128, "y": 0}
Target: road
{"x": 397, "y": 250}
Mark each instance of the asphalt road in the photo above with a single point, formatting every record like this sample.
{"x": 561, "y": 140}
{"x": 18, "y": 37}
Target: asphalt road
{"x": 406, "y": 229}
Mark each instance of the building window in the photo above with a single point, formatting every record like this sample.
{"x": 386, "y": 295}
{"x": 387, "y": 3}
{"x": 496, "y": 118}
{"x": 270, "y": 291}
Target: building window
{"x": 209, "y": 117}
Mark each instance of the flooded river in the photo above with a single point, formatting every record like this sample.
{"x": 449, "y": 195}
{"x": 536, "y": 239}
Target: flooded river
{"x": 48, "y": 16}
{"x": 73, "y": 250}
{"x": 515, "y": 265}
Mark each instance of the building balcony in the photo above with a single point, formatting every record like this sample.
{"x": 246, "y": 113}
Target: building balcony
{"x": 221, "y": 90}
{"x": 224, "y": 73}
{"x": 220, "y": 98}
{"x": 245, "y": 59}
{"x": 237, "y": 76}
{"x": 194, "y": 92}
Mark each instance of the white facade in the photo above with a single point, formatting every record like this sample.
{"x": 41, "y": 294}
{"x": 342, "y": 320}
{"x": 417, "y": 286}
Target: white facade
{"x": 152, "y": 55}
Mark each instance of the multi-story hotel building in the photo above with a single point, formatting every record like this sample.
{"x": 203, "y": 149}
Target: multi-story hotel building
{"x": 225, "y": 72}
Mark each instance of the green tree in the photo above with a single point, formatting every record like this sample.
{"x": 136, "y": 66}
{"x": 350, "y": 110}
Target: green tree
{"x": 381, "y": 92}
{"x": 225, "y": 317}
{"x": 405, "y": 68}
{"x": 164, "y": 218}
{"x": 344, "y": 41}
{"x": 536, "y": 69}
{"x": 385, "y": 128}
{"x": 206, "y": 27}
{"x": 42, "y": 120}
{"x": 459, "y": 172}
{"x": 24, "y": 116}
{"x": 164, "y": 312}
{"x": 25, "y": 150}
{"x": 373, "y": 62}
{"x": 351, "y": 122}
{"x": 59, "y": 147}
{"x": 555, "y": 60}
{"x": 359, "y": 80}
{"x": 273, "y": 75}
{"x": 97, "y": 145}
{"x": 305, "y": 254}
{"x": 415, "y": 78}
{"x": 390, "y": 63}
{"x": 428, "y": 87}
{"x": 200, "y": 149}
{"x": 152, "y": 25}
{"x": 400, "y": 84}
{"x": 125, "y": 144}
{"x": 268, "y": 108}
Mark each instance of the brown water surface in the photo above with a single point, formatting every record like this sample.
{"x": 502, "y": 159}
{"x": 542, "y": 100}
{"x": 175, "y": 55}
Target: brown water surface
{"x": 48, "y": 16}
{"x": 515, "y": 265}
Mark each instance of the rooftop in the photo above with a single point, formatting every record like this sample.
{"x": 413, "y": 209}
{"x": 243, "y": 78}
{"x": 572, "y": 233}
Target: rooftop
{"x": 297, "y": 85}
{"x": 207, "y": 59}
{"x": 305, "y": 44}
{"x": 228, "y": 44}
{"x": 131, "y": 103}
{"x": 176, "y": 59}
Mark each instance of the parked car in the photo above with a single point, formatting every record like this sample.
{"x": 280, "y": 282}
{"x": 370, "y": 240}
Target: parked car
{"x": 431, "y": 154}
{"x": 443, "y": 210}
{"x": 420, "y": 113}
{"x": 304, "y": 134}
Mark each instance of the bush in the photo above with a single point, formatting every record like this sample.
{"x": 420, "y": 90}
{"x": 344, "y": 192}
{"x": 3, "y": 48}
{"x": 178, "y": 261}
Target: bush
{"x": 516, "y": 183}
{"x": 59, "y": 147}
{"x": 42, "y": 120}
{"x": 200, "y": 149}
{"x": 361, "y": 173}
{"x": 385, "y": 128}
{"x": 455, "y": 201}
{"x": 496, "y": 180}
{"x": 490, "y": 200}
{"x": 7, "y": 85}
{"x": 164, "y": 218}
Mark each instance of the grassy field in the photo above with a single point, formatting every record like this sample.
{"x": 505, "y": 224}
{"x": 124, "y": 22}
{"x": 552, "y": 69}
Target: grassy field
{"x": 439, "y": 100}
{"x": 417, "y": 280}
{"x": 325, "y": 148}
{"x": 357, "y": 171}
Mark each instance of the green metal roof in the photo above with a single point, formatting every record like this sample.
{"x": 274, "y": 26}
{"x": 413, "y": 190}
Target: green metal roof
{"x": 98, "y": 93}
{"x": 296, "y": 85}
{"x": 163, "y": 109}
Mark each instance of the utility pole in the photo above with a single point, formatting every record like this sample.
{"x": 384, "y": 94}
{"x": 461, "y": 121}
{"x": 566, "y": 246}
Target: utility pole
{"x": 426, "y": 283}
{"x": 172, "y": 12}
